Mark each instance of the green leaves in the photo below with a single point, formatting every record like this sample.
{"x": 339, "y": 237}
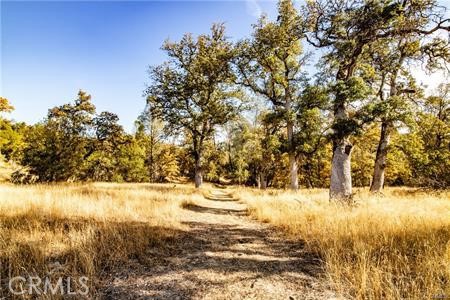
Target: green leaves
{"x": 194, "y": 91}
{"x": 351, "y": 90}
{"x": 436, "y": 52}
{"x": 270, "y": 63}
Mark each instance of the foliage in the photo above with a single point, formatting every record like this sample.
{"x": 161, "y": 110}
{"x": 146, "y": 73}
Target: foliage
{"x": 74, "y": 144}
{"x": 270, "y": 65}
{"x": 58, "y": 147}
{"x": 5, "y": 106}
{"x": 192, "y": 92}
{"x": 434, "y": 133}
{"x": 194, "y": 123}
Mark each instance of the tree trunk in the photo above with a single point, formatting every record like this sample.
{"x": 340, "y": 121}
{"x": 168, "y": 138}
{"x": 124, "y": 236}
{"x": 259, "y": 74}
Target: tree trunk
{"x": 198, "y": 177}
{"x": 308, "y": 169}
{"x": 263, "y": 180}
{"x": 293, "y": 169}
{"x": 380, "y": 160}
{"x": 385, "y": 135}
{"x": 341, "y": 174}
{"x": 198, "y": 174}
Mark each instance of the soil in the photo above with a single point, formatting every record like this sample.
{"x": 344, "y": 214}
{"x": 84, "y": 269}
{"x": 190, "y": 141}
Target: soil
{"x": 223, "y": 254}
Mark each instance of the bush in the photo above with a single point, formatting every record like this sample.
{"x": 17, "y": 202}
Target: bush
{"x": 23, "y": 176}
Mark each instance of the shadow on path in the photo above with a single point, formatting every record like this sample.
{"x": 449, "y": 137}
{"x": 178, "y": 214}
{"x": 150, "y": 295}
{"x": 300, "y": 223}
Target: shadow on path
{"x": 219, "y": 211}
{"x": 223, "y": 255}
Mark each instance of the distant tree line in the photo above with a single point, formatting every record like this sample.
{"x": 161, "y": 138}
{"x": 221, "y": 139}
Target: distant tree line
{"x": 74, "y": 143}
{"x": 246, "y": 112}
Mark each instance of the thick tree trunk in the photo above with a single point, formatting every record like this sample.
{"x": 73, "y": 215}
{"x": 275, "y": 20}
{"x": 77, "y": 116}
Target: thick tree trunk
{"x": 380, "y": 159}
{"x": 341, "y": 173}
{"x": 293, "y": 170}
{"x": 198, "y": 175}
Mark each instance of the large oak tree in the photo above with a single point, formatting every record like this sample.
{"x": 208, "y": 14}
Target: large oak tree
{"x": 192, "y": 92}
{"x": 346, "y": 29}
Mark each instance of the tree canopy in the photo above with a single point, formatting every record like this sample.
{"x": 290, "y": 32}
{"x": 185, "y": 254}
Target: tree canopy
{"x": 248, "y": 112}
{"x": 192, "y": 92}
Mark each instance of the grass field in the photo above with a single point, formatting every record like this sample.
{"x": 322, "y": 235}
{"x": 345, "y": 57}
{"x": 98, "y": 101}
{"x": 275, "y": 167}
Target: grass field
{"x": 387, "y": 247}
{"x": 391, "y": 246}
{"x": 82, "y": 230}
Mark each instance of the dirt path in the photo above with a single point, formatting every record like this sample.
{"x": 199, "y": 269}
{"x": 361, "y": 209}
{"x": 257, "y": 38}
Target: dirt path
{"x": 224, "y": 255}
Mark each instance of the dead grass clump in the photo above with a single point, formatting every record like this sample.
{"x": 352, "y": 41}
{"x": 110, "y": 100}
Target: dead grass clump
{"x": 388, "y": 247}
{"x": 83, "y": 230}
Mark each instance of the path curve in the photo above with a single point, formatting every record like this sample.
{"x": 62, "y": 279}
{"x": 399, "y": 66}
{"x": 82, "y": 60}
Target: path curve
{"x": 225, "y": 255}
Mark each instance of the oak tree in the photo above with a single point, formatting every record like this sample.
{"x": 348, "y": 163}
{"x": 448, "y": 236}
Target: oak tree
{"x": 346, "y": 29}
{"x": 193, "y": 90}
{"x": 270, "y": 64}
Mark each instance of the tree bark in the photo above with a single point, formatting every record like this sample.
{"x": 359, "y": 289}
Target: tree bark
{"x": 341, "y": 174}
{"x": 385, "y": 135}
{"x": 293, "y": 169}
{"x": 198, "y": 177}
{"x": 263, "y": 180}
{"x": 381, "y": 157}
{"x": 258, "y": 181}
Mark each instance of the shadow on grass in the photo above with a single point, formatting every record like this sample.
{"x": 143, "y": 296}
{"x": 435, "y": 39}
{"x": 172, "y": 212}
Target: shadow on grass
{"x": 220, "y": 186}
{"x": 220, "y": 197}
{"x": 135, "y": 260}
{"x": 171, "y": 273}
{"x": 48, "y": 246}
{"x": 182, "y": 270}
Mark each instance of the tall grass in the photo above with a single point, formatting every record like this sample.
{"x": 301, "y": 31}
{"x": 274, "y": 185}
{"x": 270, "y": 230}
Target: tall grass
{"x": 83, "y": 230}
{"x": 395, "y": 246}
{"x": 388, "y": 247}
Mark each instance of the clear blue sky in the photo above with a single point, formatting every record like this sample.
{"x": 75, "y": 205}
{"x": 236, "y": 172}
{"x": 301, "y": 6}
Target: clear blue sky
{"x": 50, "y": 50}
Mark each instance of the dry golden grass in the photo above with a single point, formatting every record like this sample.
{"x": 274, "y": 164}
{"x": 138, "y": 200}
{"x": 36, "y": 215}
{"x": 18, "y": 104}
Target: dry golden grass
{"x": 83, "y": 230}
{"x": 388, "y": 247}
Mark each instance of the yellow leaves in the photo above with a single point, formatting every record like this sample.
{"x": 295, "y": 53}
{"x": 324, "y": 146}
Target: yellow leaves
{"x": 412, "y": 48}
{"x": 5, "y": 106}
{"x": 83, "y": 96}
{"x": 367, "y": 71}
